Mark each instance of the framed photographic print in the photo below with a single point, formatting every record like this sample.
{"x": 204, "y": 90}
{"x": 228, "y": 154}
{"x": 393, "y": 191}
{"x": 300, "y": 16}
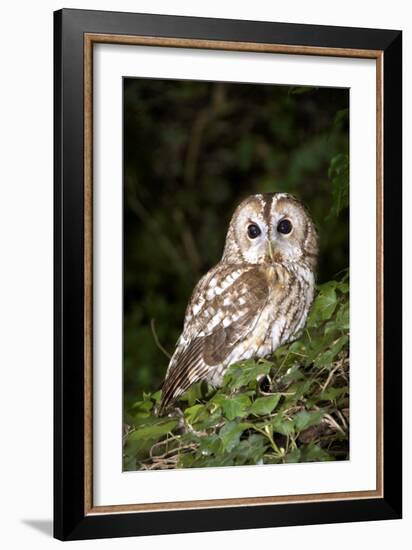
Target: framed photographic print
{"x": 227, "y": 274}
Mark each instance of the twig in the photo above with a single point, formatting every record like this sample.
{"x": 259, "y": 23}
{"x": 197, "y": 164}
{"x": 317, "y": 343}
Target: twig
{"x": 156, "y": 339}
{"x": 140, "y": 211}
{"x": 189, "y": 243}
{"x": 266, "y": 433}
{"x": 329, "y": 378}
{"x": 333, "y": 424}
{"x": 201, "y": 122}
{"x": 342, "y": 418}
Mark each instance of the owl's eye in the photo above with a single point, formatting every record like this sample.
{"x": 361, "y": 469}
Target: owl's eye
{"x": 253, "y": 231}
{"x": 285, "y": 227}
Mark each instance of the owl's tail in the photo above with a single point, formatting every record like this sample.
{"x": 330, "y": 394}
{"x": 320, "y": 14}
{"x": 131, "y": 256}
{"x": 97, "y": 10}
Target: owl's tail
{"x": 186, "y": 367}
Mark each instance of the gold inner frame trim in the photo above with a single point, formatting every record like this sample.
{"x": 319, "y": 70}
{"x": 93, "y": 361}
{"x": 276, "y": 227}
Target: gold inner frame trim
{"x": 89, "y": 40}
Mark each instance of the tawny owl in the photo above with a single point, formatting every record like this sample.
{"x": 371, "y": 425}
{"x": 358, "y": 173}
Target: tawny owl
{"x": 254, "y": 300}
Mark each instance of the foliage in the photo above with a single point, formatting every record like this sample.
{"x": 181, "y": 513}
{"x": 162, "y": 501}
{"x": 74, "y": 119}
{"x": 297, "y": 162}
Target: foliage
{"x": 339, "y": 176}
{"x": 291, "y": 408}
{"x": 192, "y": 151}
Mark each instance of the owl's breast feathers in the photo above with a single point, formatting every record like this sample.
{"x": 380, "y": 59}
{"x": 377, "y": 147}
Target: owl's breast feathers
{"x": 236, "y": 312}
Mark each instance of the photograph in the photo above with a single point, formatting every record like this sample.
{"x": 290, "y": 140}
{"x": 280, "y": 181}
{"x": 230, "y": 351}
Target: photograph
{"x": 204, "y": 317}
{"x": 227, "y": 274}
{"x": 235, "y": 274}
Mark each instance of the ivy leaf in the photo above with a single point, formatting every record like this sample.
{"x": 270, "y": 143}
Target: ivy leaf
{"x": 293, "y": 456}
{"x": 293, "y": 374}
{"x": 251, "y": 450}
{"x": 140, "y": 407}
{"x": 342, "y": 317}
{"x": 241, "y": 374}
{"x": 155, "y": 430}
{"x": 323, "y": 306}
{"x": 210, "y": 420}
{"x": 326, "y": 358}
{"x": 282, "y": 425}
{"x": 305, "y": 419}
{"x": 230, "y": 434}
{"x": 210, "y": 444}
{"x": 129, "y": 463}
{"x": 299, "y": 389}
{"x": 196, "y": 413}
{"x": 333, "y": 394}
{"x": 231, "y": 425}
{"x": 314, "y": 453}
{"x": 156, "y": 396}
{"x": 339, "y": 175}
{"x": 194, "y": 393}
{"x": 343, "y": 286}
{"x": 265, "y": 405}
{"x": 236, "y": 406}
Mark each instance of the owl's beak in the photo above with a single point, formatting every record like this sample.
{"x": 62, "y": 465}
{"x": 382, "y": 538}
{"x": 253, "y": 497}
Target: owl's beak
{"x": 270, "y": 250}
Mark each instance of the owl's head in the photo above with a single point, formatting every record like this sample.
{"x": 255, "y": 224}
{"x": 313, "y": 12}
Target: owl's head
{"x": 271, "y": 227}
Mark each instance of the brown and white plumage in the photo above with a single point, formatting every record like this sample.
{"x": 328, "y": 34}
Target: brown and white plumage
{"x": 255, "y": 299}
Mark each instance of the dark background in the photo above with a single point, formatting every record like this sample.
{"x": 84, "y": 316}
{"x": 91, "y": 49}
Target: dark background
{"x": 192, "y": 151}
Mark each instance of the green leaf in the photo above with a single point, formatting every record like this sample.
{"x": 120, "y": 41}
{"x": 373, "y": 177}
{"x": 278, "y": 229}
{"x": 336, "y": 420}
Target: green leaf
{"x": 156, "y": 396}
{"x": 282, "y": 425}
{"x": 319, "y": 344}
{"x": 210, "y": 444}
{"x": 333, "y": 394}
{"x": 299, "y": 389}
{"x": 251, "y": 450}
{"x": 229, "y": 423}
{"x": 211, "y": 419}
{"x": 339, "y": 176}
{"x": 213, "y": 461}
{"x": 314, "y": 453}
{"x": 194, "y": 393}
{"x": 342, "y": 317}
{"x": 141, "y": 408}
{"x": 129, "y": 463}
{"x": 236, "y": 406}
{"x": 154, "y": 431}
{"x": 293, "y": 374}
{"x": 187, "y": 460}
{"x": 323, "y": 306}
{"x": 136, "y": 450}
{"x": 326, "y": 358}
{"x": 305, "y": 419}
{"x": 293, "y": 456}
{"x": 241, "y": 374}
{"x": 343, "y": 286}
{"x": 230, "y": 434}
{"x": 265, "y": 405}
{"x": 196, "y": 413}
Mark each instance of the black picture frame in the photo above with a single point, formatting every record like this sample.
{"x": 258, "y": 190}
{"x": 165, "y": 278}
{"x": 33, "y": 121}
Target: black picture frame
{"x": 71, "y": 522}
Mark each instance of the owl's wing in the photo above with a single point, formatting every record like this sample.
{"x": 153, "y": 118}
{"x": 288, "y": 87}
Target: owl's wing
{"x": 225, "y": 307}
